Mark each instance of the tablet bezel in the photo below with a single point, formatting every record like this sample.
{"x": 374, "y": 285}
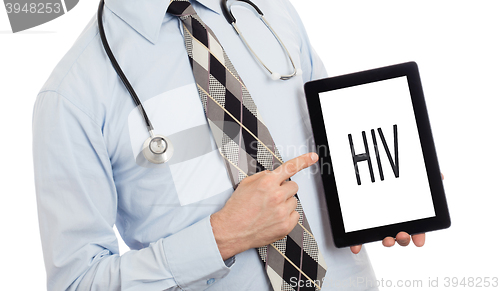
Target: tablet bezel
{"x": 410, "y": 71}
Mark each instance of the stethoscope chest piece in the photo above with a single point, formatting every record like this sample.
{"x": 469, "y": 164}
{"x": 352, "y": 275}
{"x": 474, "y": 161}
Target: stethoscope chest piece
{"x": 157, "y": 149}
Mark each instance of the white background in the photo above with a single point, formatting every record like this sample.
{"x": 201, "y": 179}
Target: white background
{"x": 359, "y": 109}
{"x": 456, "y": 44}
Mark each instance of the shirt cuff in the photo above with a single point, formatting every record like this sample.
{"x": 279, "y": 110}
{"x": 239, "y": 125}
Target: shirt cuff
{"x": 194, "y": 258}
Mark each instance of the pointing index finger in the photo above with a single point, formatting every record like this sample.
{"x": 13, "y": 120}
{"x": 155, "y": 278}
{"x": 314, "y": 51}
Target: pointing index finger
{"x": 295, "y": 165}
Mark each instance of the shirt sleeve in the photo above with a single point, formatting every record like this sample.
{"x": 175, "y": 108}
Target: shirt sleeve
{"x": 77, "y": 208}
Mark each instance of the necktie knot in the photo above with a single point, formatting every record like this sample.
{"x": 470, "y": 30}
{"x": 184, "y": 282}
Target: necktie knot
{"x": 180, "y": 8}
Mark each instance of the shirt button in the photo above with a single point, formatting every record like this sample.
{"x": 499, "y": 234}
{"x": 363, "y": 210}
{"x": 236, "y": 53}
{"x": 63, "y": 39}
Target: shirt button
{"x": 210, "y": 281}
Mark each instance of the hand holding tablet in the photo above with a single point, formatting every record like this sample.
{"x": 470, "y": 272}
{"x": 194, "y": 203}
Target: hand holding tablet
{"x": 377, "y": 157}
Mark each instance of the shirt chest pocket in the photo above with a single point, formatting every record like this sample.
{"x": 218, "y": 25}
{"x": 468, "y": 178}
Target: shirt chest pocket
{"x": 196, "y": 167}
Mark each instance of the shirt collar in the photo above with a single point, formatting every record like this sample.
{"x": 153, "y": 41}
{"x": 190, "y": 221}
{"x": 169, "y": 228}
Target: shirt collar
{"x": 146, "y": 16}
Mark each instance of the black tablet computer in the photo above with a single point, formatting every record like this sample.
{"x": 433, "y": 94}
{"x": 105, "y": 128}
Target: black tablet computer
{"x": 377, "y": 157}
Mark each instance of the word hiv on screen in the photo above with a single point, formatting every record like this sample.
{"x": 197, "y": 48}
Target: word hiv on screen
{"x": 362, "y": 157}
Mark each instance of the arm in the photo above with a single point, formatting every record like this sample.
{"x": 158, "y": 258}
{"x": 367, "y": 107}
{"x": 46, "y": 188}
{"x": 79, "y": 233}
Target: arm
{"x": 77, "y": 207}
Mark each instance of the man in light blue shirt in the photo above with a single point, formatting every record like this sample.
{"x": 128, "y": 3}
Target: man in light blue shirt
{"x": 90, "y": 173}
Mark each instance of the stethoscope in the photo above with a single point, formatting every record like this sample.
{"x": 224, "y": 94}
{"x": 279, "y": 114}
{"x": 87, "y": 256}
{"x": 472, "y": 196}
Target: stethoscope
{"x": 226, "y": 10}
{"x": 157, "y": 148}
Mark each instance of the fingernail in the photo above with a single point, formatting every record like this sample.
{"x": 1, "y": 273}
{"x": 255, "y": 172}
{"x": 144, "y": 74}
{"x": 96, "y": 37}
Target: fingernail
{"x": 314, "y": 157}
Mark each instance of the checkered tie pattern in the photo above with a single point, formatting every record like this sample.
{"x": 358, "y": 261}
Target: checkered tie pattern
{"x": 247, "y": 147}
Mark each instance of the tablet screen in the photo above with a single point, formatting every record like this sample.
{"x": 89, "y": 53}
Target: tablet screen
{"x": 376, "y": 155}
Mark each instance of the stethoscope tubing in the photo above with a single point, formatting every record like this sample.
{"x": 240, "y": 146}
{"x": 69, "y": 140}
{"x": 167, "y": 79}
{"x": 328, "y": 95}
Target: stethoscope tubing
{"x": 164, "y": 155}
{"x": 154, "y": 157}
{"x": 119, "y": 71}
{"x": 229, "y": 15}
{"x": 226, "y": 11}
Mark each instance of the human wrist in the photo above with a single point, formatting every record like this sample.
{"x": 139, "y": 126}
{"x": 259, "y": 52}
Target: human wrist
{"x": 227, "y": 240}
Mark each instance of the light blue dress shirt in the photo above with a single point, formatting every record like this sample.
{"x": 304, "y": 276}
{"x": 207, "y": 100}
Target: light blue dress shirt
{"x": 91, "y": 175}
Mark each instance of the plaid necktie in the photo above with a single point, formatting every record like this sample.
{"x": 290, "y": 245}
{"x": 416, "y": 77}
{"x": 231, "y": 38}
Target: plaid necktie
{"x": 246, "y": 146}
